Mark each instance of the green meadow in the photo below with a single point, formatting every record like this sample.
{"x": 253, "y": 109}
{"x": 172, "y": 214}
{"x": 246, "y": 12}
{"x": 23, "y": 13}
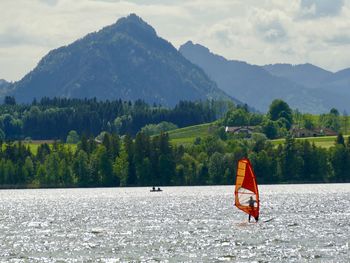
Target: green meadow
{"x": 323, "y": 141}
{"x": 188, "y": 135}
{"x": 34, "y": 145}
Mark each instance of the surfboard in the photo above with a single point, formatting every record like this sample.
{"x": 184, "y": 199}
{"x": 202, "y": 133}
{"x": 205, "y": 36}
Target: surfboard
{"x": 268, "y": 220}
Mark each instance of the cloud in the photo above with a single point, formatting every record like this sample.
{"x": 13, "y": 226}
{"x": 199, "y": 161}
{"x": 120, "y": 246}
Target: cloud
{"x": 259, "y": 32}
{"x": 339, "y": 39}
{"x": 270, "y": 25}
{"x": 16, "y": 36}
{"x": 320, "y": 8}
{"x": 50, "y": 2}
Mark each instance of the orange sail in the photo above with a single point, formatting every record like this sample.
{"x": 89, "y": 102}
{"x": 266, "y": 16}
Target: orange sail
{"x": 246, "y": 191}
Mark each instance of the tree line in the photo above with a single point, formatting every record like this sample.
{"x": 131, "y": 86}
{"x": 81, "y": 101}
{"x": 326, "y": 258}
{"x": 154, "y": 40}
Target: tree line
{"x": 150, "y": 161}
{"x": 55, "y": 118}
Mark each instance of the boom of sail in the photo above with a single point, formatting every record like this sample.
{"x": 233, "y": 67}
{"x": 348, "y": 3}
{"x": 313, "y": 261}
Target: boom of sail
{"x": 246, "y": 191}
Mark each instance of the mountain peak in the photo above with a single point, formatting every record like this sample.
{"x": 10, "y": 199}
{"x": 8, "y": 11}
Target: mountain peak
{"x": 133, "y": 23}
{"x": 189, "y": 45}
{"x": 124, "y": 60}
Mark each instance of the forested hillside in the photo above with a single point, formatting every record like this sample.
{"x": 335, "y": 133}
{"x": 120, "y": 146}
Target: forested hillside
{"x": 55, "y": 118}
{"x": 144, "y": 160}
{"x": 126, "y": 60}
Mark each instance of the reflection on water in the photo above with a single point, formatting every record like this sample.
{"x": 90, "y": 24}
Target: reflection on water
{"x": 311, "y": 223}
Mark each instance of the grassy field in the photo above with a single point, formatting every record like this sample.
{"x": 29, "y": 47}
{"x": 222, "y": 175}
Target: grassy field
{"x": 34, "y": 145}
{"x": 324, "y": 141}
{"x": 187, "y": 135}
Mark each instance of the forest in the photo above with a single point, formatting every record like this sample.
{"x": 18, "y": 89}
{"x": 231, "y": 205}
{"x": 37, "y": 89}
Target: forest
{"x": 55, "y": 118}
{"x": 112, "y": 159}
{"x": 149, "y": 161}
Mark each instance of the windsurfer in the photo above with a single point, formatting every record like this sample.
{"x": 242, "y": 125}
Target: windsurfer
{"x": 251, "y": 203}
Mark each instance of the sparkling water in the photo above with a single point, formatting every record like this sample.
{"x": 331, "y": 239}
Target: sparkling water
{"x": 310, "y": 223}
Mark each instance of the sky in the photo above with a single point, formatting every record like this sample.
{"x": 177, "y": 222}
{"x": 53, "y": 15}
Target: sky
{"x": 257, "y": 31}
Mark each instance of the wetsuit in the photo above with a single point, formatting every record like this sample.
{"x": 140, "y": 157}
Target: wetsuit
{"x": 251, "y": 205}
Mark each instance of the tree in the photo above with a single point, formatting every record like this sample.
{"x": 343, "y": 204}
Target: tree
{"x": 105, "y": 168}
{"x": 121, "y": 167}
{"x": 216, "y": 168}
{"x": 180, "y": 175}
{"x": 264, "y": 167}
{"x": 270, "y": 129}
{"x": 2, "y": 135}
{"x": 212, "y": 144}
{"x": 40, "y": 177}
{"x": 65, "y": 174}
{"x": 340, "y": 160}
{"x": 28, "y": 170}
{"x": 279, "y": 109}
{"x": 237, "y": 117}
{"x": 189, "y": 169}
{"x": 52, "y": 167}
{"x": 153, "y": 129}
{"x": 166, "y": 168}
{"x": 307, "y": 122}
{"x": 144, "y": 172}
{"x": 80, "y": 168}
{"x": 345, "y": 122}
{"x": 42, "y": 152}
{"x": 291, "y": 162}
{"x": 72, "y": 137}
{"x": 9, "y": 100}
{"x": 130, "y": 150}
{"x": 331, "y": 120}
{"x": 340, "y": 139}
{"x": 334, "y": 112}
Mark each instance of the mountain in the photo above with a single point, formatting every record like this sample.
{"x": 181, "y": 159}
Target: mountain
{"x": 333, "y": 87}
{"x": 125, "y": 60}
{"x": 308, "y": 75}
{"x": 4, "y": 84}
{"x": 4, "y": 87}
{"x": 338, "y": 83}
{"x": 252, "y": 84}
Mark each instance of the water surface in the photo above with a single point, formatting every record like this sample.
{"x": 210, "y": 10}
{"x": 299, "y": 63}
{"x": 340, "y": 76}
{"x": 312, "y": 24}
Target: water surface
{"x": 311, "y": 223}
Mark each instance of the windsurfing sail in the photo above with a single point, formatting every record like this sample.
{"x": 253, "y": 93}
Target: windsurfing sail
{"x": 246, "y": 191}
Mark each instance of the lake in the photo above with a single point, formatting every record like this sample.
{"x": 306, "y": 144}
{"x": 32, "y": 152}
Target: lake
{"x": 311, "y": 223}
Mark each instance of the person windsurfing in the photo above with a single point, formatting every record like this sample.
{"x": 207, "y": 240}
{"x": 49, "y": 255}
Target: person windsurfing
{"x": 251, "y": 203}
{"x": 246, "y": 189}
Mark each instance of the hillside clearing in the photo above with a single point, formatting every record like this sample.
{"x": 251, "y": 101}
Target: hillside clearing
{"x": 188, "y": 135}
{"x": 323, "y": 141}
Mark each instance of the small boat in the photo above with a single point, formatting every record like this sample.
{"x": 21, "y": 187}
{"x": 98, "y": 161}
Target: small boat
{"x": 246, "y": 190}
{"x": 156, "y": 190}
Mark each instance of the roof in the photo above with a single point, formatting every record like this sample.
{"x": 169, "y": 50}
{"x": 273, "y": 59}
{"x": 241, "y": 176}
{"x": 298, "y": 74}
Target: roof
{"x": 235, "y": 129}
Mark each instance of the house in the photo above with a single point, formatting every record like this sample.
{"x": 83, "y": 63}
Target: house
{"x": 243, "y": 130}
{"x": 303, "y": 132}
{"x": 328, "y": 132}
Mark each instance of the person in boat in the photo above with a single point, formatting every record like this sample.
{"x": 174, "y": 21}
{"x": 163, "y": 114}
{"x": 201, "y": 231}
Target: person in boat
{"x": 251, "y": 203}
{"x": 153, "y": 188}
{"x": 159, "y": 189}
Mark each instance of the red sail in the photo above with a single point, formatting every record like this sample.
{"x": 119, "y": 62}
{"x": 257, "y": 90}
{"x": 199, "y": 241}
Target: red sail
{"x": 246, "y": 191}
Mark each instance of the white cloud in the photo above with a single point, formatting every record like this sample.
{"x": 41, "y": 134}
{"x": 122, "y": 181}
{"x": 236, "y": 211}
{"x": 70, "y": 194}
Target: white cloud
{"x": 320, "y": 8}
{"x": 260, "y": 32}
{"x": 270, "y": 25}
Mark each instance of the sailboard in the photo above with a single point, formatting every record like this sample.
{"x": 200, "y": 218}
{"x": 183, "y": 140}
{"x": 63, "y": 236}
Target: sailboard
{"x": 246, "y": 190}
